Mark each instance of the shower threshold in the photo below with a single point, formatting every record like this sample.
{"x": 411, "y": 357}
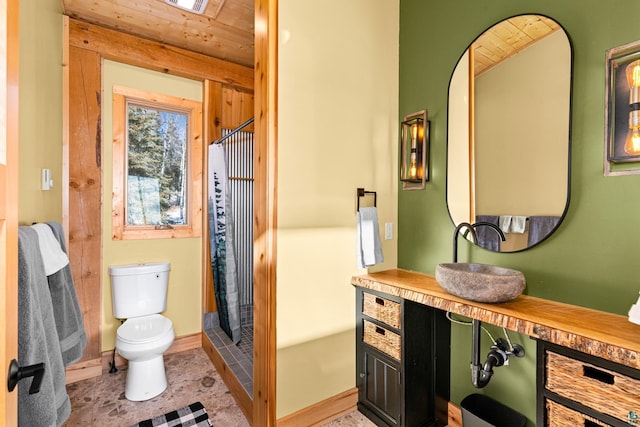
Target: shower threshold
{"x": 237, "y": 357}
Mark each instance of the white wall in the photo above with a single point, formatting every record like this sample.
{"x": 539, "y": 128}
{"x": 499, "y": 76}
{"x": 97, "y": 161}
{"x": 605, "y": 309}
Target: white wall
{"x": 337, "y": 131}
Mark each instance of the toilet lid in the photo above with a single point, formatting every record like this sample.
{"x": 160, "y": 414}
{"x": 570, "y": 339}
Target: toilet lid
{"x": 145, "y": 328}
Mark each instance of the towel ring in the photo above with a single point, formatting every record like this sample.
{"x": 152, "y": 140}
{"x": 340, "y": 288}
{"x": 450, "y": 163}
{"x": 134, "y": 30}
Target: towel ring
{"x": 361, "y": 192}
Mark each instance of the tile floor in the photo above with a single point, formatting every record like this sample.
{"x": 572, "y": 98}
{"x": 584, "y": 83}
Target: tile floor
{"x": 238, "y": 357}
{"x": 100, "y": 401}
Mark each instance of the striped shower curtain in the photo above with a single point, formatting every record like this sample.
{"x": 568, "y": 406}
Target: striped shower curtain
{"x": 223, "y": 258}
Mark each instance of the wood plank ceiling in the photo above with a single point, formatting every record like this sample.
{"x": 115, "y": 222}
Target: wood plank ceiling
{"x": 225, "y": 30}
{"x": 506, "y": 39}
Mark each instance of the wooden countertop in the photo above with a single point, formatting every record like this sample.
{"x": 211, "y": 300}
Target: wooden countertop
{"x": 606, "y": 335}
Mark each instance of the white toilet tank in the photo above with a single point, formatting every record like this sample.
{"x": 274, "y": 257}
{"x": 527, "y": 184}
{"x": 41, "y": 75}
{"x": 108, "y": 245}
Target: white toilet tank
{"x": 139, "y": 289}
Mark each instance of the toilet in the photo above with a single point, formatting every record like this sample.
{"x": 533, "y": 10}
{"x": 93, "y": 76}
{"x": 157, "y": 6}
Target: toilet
{"x": 139, "y": 294}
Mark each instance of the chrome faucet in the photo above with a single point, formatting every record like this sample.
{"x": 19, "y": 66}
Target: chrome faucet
{"x": 471, "y": 228}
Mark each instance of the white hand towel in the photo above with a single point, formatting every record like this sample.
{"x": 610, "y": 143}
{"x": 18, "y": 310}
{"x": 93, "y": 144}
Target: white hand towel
{"x": 518, "y": 224}
{"x": 505, "y": 223}
{"x": 369, "y": 246}
{"x": 53, "y": 256}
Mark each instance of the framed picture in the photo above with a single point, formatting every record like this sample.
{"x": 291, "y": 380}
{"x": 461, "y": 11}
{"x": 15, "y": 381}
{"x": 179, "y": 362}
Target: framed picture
{"x": 623, "y": 104}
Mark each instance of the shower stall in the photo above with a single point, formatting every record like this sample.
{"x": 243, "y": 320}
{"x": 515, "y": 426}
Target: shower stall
{"x": 238, "y": 154}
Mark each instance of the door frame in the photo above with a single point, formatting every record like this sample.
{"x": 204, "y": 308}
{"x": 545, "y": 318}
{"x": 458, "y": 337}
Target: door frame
{"x": 9, "y": 204}
{"x": 264, "y": 81}
{"x": 265, "y": 202}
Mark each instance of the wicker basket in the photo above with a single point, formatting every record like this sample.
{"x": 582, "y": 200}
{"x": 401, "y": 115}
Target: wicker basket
{"x": 384, "y": 340}
{"x": 561, "y": 416}
{"x": 382, "y": 309}
{"x": 605, "y": 391}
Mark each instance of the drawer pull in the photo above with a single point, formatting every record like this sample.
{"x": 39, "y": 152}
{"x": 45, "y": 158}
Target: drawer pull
{"x": 380, "y": 331}
{"x": 588, "y": 423}
{"x": 379, "y": 301}
{"x": 597, "y": 374}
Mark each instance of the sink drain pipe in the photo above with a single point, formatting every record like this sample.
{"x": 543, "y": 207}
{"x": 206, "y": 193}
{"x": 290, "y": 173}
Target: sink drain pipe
{"x": 481, "y": 374}
{"x": 498, "y": 355}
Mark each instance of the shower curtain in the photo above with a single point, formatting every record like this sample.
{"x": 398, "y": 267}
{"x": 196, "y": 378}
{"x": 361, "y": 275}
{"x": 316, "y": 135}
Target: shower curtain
{"x": 223, "y": 258}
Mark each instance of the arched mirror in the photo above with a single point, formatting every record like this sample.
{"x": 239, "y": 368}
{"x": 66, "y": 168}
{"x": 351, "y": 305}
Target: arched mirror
{"x": 508, "y": 144}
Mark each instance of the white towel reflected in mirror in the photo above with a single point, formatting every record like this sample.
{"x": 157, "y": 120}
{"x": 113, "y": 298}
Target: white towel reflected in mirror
{"x": 505, "y": 223}
{"x": 518, "y": 224}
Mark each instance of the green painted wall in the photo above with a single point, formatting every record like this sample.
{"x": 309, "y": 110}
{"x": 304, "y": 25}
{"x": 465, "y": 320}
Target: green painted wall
{"x": 590, "y": 261}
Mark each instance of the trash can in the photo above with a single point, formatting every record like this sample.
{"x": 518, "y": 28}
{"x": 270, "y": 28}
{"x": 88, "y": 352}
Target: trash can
{"x": 479, "y": 410}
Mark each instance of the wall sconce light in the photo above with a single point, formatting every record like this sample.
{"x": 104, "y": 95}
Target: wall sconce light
{"x": 414, "y": 150}
{"x": 632, "y": 143}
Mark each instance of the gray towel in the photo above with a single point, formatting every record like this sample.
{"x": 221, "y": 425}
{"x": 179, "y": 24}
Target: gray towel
{"x": 66, "y": 309}
{"x": 38, "y": 340}
{"x": 487, "y": 237}
{"x": 540, "y": 227}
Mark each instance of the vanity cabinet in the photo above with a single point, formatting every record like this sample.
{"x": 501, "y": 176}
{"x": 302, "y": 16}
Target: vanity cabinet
{"x": 402, "y": 366}
{"x": 598, "y": 389}
{"x": 576, "y": 389}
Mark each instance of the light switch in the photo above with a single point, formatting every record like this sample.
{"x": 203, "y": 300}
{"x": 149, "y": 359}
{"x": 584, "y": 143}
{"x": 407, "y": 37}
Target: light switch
{"x": 388, "y": 231}
{"x": 47, "y": 182}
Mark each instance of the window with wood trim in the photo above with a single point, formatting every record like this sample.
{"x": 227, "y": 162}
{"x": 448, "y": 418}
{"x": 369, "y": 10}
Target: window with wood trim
{"x": 157, "y": 165}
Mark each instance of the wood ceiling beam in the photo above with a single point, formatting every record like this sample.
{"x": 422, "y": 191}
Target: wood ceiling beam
{"x": 219, "y": 8}
{"x": 157, "y": 56}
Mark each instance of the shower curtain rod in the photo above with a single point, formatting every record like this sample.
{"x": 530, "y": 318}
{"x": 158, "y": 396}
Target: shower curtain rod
{"x": 233, "y": 132}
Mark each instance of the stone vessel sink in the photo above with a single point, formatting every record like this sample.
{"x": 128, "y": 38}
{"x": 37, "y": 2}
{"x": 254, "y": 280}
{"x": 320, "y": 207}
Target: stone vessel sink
{"x": 480, "y": 282}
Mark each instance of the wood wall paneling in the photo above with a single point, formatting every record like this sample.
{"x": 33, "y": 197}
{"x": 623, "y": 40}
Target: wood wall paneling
{"x": 85, "y": 184}
{"x": 224, "y": 30}
{"x": 237, "y": 108}
{"x": 156, "y": 56}
{"x": 65, "y": 127}
{"x": 265, "y": 209}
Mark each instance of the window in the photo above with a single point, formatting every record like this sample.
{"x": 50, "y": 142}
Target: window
{"x": 157, "y": 165}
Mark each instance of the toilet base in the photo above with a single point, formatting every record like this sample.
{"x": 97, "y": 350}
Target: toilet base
{"x": 145, "y": 379}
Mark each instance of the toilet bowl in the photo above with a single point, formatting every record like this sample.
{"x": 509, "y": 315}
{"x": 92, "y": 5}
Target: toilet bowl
{"x": 142, "y": 341}
{"x": 139, "y": 294}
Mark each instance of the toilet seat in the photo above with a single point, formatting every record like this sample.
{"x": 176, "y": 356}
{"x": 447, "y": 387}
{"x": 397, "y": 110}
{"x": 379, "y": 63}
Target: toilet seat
{"x": 145, "y": 329}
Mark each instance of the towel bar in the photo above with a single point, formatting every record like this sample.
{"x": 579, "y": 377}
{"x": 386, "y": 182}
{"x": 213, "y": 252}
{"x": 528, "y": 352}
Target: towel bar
{"x": 233, "y": 132}
{"x": 361, "y": 192}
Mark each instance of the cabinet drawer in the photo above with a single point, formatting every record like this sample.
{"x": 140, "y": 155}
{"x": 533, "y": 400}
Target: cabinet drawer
{"x": 381, "y": 309}
{"x": 601, "y": 389}
{"x": 383, "y": 339}
{"x": 561, "y": 416}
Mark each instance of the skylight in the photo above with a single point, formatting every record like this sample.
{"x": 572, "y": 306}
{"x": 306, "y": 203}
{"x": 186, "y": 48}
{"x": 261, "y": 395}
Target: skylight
{"x": 195, "y": 6}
